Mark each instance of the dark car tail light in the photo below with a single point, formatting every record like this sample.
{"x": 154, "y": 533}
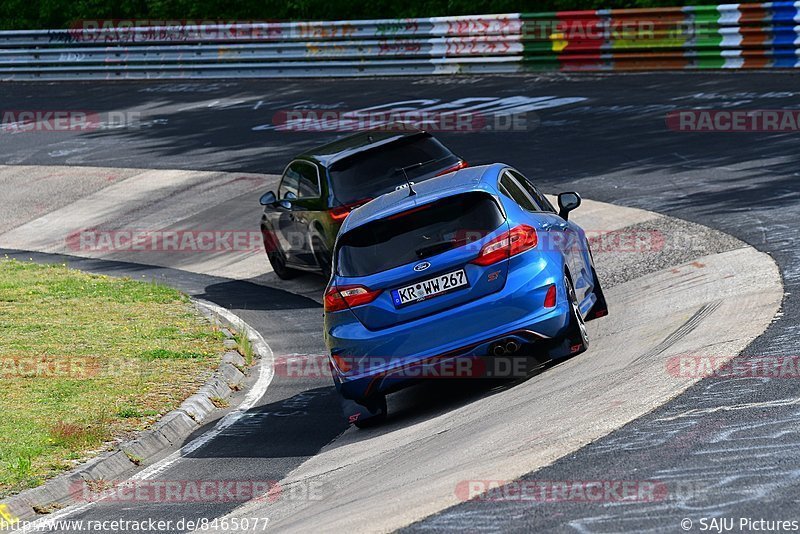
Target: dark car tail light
{"x": 460, "y": 165}
{"x": 409, "y": 212}
{"x": 340, "y": 213}
{"x": 342, "y": 297}
{"x": 518, "y": 239}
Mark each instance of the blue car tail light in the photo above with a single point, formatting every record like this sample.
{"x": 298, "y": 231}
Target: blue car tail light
{"x": 510, "y": 243}
{"x": 339, "y": 298}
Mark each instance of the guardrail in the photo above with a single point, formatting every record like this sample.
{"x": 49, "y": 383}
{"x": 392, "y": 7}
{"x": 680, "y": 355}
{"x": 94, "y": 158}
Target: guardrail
{"x": 691, "y": 37}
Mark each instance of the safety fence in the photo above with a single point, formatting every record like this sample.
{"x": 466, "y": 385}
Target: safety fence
{"x": 692, "y": 37}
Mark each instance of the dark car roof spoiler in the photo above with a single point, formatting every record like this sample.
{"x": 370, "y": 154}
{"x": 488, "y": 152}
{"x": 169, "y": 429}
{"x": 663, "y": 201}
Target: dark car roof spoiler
{"x": 361, "y": 142}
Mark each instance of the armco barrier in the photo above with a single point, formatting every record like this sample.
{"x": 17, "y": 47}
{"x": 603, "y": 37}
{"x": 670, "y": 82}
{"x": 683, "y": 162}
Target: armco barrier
{"x": 692, "y": 37}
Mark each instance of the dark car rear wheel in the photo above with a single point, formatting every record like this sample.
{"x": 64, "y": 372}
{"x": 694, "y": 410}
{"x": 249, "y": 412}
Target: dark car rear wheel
{"x": 278, "y": 263}
{"x": 578, "y": 336}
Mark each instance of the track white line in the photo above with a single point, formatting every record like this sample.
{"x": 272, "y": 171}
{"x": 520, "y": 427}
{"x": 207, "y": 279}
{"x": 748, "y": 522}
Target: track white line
{"x": 266, "y": 372}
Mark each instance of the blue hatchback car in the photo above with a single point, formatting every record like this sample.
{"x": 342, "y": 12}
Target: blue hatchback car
{"x": 472, "y": 266}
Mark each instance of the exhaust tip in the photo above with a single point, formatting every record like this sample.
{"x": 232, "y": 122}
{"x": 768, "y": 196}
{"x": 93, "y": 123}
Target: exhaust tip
{"x": 498, "y": 350}
{"x": 512, "y": 346}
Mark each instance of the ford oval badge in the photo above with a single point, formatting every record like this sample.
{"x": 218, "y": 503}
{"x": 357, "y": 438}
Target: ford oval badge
{"x": 422, "y": 266}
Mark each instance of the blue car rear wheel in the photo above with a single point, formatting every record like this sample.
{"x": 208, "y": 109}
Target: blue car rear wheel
{"x": 578, "y": 335}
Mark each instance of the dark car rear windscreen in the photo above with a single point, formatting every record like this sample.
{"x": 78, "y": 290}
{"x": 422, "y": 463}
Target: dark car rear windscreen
{"x": 375, "y": 172}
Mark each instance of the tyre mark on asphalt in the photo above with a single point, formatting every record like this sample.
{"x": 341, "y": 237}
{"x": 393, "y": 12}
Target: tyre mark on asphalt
{"x": 681, "y": 332}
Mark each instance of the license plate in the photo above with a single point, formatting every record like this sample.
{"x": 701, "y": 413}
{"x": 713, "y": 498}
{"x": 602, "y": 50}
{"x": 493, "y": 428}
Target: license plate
{"x": 431, "y": 287}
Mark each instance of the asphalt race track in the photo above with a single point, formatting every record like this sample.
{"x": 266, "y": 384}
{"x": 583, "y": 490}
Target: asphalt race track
{"x": 730, "y": 442}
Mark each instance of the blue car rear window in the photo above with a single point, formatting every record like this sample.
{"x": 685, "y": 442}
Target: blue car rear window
{"x": 417, "y": 234}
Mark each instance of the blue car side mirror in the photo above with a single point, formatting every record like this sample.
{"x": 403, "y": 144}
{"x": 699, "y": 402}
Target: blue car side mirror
{"x": 567, "y": 202}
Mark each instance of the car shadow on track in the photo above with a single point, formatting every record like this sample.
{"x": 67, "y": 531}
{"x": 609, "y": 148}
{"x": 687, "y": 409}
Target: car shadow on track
{"x": 432, "y": 398}
{"x": 290, "y": 428}
{"x": 295, "y": 424}
{"x": 237, "y": 294}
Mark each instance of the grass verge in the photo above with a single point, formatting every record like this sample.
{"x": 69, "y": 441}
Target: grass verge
{"x": 85, "y": 361}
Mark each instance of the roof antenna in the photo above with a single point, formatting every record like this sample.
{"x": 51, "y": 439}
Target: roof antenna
{"x": 411, "y": 191}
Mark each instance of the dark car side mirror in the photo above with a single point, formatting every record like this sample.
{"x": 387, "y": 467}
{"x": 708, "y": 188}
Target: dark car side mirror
{"x": 566, "y": 203}
{"x": 268, "y": 199}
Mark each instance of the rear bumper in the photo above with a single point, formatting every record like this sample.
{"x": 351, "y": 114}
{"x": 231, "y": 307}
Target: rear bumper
{"x": 470, "y": 363}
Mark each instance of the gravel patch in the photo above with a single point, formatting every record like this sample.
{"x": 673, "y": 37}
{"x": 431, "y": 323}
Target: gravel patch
{"x": 654, "y": 245}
